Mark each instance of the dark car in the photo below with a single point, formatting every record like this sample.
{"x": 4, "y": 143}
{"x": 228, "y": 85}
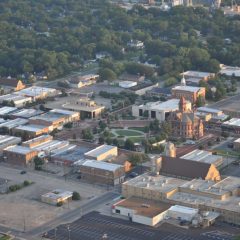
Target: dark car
{"x": 23, "y": 172}
{"x": 133, "y": 174}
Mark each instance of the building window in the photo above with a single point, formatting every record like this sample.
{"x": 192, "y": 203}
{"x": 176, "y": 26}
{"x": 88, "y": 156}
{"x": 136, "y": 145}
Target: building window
{"x": 153, "y": 114}
{"x": 140, "y": 112}
{"x": 118, "y": 211}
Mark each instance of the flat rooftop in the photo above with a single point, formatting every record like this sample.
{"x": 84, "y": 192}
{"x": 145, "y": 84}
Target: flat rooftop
{"x": 7, "y": 110}
{"x": 72, "y": 155}
{"x": 233, "y": 122}
{"x": 76, "y": 107}
{"x": 170, "y": 105}
{"x": 26, "y": 113}
{"x": 229, "y": 71}
{"x": 31, "y": 128}
{"x": 203, "y": 156}
{"x": 4, "y": 139}
{"x": 158, "y": 183}
{"x": 209, "y": 110}
{"x": 49, "y": 116}
{"x": 37, "y": 139}
{"x": 35, "y": 91}
{"x": 187, "y": 88}
{"x": 58, "y": 193}
{"x": 237, "y": 140}
{"x": 102, "y": 165}
{"x": 100, "y": 150}
{"x": 19, "y": 149}
{"x": 64, "y": 112}
{"x": 13, "y": 97}
{"x": 13, "y": 123}
{"x": 197, "y": 74}
{"x": 143, "y": 207}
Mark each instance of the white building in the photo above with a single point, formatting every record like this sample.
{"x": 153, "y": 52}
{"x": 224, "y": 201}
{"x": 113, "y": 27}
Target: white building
{"x": 141, "y": 211}
{"x": 182, "y": 213}
{"x": 18, "y": 101}
{"x": 157, "y": 110}
{"x": 127, "y": 84}
{"x": 56, "y": 196}
{"x": 216, "y": 114}
{"x": 230, "y": 71}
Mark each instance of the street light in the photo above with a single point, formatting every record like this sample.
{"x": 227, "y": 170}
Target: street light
{"x": 69, "y": 236}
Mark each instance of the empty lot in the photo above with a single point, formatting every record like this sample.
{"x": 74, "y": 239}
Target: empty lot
{"x": 23, "y": 209}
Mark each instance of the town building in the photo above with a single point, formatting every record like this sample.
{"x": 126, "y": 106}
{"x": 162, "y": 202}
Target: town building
{"x": 37, "y": 141}
{"x": 141, "y": 88}
{"x": 56, "y": 118}
{"x": 220, "y": 197}
{"x": 127, "y": 84}
{"x": 193, "y": 78}
{"x": 25, "y": 113}
{"x": 19, "y": 155}
{"x": 6, "y": 141}
{"x": 135, "y": 44}
{"x": 31, "y": 130}
{"x": 87, "y": 108}
{"x": 143, "y": 211}
{"x": 170, "y": 150}
{"x": 82, "y": 81}
{"x": 190, "y": 93}
{"x": 216, "y": 115}
{"x": 232, "y": 125}
{"x": 184, "y": 123}
{"x": 102, "y": 172}
{"x": 157, "y": 110}
{"x": 236, "y": 144}
{"x": 131, "y": 77}
{"x": 159, "y": 92}
{"x": 204, "y": 156}
{"x": 101, "y": 153}
{"x": 186, "y": 169}
{"x": 8, "y": 125}
{"x": 11, "y": 84}
{"x": 230, "y": 71}
{"x": 15, "y": 100}
{"x": 36, "y": 92}
{"x": 57, "y": 196}
{"x": 5, "y": 111}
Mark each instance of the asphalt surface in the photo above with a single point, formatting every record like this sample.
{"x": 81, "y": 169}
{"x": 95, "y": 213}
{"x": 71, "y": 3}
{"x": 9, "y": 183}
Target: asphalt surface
{"x": 96, "y": 226}
{"x": 76, "y": 213}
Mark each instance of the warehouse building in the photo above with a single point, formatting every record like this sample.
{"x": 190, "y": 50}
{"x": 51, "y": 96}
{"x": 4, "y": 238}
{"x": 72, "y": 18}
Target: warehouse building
{"x": 236, "y": 144}
{"x": 143, "y": 211}
{"x": 16, "y": 100}
{"x": 193, "y": 78}
{"x": 56, "y": 118}
{"x": 6, "y": 141}
{"x": 101, "y": 153}
{"x": 102, "y": 172}
{"x": 25, "y": 113}
{"x": 57, "y": 196}
{"x": 205, "y": 157}
{"x": 5, "y": 111}
{"x": 37, "y": 141}
{"x": 157, "y": 110}
{"x": 19, "y": 155}
{"x": 11, "y": 84}
{"x": 233, "y": 125}
{"x": 36, "y": 92}
{"x": 31, "y": 130}
{"x": 9, "y": 125}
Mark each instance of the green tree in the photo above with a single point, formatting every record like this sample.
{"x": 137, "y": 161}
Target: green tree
{"x": 129, "y": 144}
{"x": 38, "y": 162}
{"x": 76, "y": 196}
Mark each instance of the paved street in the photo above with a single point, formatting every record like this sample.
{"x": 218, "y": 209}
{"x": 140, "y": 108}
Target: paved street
{"x": 96, "y": 226}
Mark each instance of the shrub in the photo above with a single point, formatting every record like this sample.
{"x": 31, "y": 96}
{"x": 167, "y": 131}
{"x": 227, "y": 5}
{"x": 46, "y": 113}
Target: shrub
{"x": 76, "y": 196}
{"x": 59, "y": 204}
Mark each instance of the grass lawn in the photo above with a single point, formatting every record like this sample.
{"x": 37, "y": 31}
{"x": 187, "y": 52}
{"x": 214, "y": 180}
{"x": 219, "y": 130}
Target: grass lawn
{"x": 227, "y": 153}
{"x": 142, "y": 129}
{"x": 136, "y": 139}
{"x": 128, "y": 133}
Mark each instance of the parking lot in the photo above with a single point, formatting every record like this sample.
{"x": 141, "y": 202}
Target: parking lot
{"x": 97, "y": 226}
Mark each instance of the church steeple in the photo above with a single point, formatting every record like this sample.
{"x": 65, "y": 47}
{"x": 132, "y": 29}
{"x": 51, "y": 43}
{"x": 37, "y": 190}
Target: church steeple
{"x": 183, "y": 80}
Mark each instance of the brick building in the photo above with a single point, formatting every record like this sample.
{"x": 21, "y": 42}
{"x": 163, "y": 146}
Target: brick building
{"x": 185, "y": 123}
